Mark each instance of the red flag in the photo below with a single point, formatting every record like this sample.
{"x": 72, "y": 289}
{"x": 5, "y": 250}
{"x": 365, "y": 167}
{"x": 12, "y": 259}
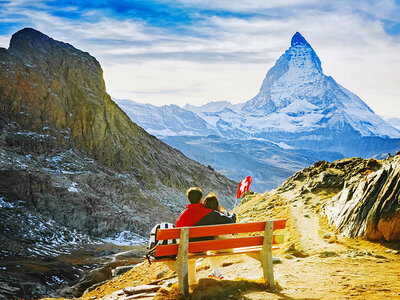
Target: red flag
{"x": 243, "y": 186}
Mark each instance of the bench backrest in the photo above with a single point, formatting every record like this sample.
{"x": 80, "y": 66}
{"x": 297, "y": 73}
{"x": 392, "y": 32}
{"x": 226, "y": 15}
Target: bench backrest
{"x": 214, "y": 230}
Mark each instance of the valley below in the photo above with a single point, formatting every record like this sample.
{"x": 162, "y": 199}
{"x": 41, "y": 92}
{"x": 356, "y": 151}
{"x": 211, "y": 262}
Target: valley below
{"x": 65, "y": 275}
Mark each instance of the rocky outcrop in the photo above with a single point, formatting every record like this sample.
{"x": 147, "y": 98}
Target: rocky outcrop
{"x": 369, "y": 206}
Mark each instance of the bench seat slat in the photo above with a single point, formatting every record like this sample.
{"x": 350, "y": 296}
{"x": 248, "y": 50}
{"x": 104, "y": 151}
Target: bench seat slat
{"x": 213, "y": 230}
{"x": 164, "y": 250}
{"x": 238, "y": 251}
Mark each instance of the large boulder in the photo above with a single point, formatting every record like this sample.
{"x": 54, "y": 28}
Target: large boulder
{"x": 369, "y": 204}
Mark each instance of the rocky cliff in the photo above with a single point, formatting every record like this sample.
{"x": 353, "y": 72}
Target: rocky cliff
{"x": 69, "y": 153}
{"x": 370, "y": 204}
{"x": 359, "y": 197}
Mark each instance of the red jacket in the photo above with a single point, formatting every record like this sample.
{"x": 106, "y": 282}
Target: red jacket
{"x": 192, "y": 214}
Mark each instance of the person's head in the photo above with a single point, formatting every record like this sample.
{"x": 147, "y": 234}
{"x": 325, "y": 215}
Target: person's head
{"x": 194, "y": 195}
{"x": 211, "y": 201}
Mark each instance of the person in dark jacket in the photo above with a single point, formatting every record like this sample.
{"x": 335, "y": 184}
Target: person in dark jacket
{"x": 196, "y": 214}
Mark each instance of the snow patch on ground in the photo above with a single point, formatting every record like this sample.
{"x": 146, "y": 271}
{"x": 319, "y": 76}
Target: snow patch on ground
{"x": 4, "y": 204}
{"x": 73, "y": 188}
{"x": 126, "y": 238}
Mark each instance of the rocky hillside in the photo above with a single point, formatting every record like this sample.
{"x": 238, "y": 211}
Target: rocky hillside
{"x": 70, "y": 154}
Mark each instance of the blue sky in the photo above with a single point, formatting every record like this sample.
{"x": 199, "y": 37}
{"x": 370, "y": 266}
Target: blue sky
{"x": 196, "y": 51}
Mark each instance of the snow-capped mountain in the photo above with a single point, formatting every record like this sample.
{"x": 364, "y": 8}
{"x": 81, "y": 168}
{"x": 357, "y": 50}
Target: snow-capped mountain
{"x": 298, "y": 109}
{"x": 297, "y": 96}
{"x": 166, "y": 120}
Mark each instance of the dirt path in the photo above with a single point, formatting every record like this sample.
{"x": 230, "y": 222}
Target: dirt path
{"x": 311, "y": 235}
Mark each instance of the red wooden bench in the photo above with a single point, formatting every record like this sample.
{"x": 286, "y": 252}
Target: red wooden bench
{"x": 258, "y": 247}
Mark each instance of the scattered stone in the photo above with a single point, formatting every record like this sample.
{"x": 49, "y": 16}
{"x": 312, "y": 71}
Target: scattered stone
{"x": 288, "y": 256}
{"x": 351, "y": 253}
{"x": 121, "y": 270}
{"x": 392, "y": 251}
{"x": 227, "y": 264}
{"x": 276, "y": 260}
{"x": 141, "y": 289}
{"x": 327, "y": 236}
{"x": 307, "y": 216}
{"x": 169, "y": 283}
{"x": 326, "y": 254}
{"x": 162, "y": 273}
{"x": 380, "y": 256}
{"x": 300, "y": 254}
{"x": 119, "y": 293}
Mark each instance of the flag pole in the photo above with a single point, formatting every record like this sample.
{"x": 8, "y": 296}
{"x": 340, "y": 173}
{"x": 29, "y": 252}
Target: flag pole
{"x": 235, "y": 203}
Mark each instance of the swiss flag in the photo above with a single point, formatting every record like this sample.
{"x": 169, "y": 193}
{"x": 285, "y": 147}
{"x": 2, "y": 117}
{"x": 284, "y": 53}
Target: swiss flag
{"x": 243, "y": 186}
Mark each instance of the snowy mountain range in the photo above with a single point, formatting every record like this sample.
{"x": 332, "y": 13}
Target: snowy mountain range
{"x": 299, "y": 116}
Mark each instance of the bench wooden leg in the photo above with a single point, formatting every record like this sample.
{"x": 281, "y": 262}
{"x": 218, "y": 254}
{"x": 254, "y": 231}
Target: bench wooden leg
{"x": 182, "y": 262}
{"x": 266, "y": 254}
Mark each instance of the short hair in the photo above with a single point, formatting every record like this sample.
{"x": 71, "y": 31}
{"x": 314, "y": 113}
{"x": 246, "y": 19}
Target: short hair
{"x": 211, "y": 201}
{"x": 194, "y": 195}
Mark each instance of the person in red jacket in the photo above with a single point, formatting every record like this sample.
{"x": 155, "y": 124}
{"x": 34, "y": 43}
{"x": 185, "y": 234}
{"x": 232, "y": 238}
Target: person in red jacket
{"x": 196, "y": 214}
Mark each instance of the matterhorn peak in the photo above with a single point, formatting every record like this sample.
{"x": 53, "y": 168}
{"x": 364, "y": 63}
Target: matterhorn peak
{"x": 298, "y": 39}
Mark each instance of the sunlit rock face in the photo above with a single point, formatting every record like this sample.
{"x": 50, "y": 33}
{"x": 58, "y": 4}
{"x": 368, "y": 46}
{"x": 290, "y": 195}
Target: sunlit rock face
{"x": 369, "y": 204}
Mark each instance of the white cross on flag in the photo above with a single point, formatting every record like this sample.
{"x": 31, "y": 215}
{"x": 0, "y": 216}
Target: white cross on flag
{"x": 244, "y": 186}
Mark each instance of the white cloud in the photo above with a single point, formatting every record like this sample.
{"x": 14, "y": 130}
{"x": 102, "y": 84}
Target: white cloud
{"x": 4, "y": 41}
{"x": 226, "y": 58}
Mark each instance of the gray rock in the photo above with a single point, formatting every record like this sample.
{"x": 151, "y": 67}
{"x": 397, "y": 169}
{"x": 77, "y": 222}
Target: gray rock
{"x": 327, "y": 236}
{"x": 141, "y": 289}
{"x": 328, "y": 254}
{"x": 121, "y": 270}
